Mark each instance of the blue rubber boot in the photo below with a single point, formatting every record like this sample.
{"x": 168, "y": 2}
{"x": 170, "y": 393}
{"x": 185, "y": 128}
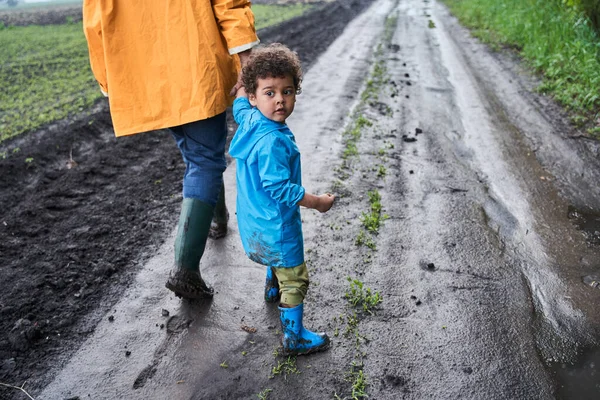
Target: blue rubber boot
{"x": 271, "y": 287}
{"x": 296, "y": 339}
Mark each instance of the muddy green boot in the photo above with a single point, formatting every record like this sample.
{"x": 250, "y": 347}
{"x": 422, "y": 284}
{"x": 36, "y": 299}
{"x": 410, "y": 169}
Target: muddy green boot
{"x": 194, "y": 222}
{"x": 218, "y": 226}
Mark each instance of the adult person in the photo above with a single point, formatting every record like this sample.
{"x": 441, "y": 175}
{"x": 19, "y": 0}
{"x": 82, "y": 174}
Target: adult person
{"x": 172, "y": 64}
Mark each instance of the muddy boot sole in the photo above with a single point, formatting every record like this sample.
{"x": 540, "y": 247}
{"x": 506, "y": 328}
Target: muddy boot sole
{"x": 188, "y": 285}
{"x": 217, "y": 231}
{"x": 323, "y": 347}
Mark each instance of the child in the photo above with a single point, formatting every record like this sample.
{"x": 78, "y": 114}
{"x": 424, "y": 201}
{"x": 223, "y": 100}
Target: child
{"x": 270, "y": 190}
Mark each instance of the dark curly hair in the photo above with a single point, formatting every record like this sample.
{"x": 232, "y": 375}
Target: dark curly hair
{"x": 272, "y": 61}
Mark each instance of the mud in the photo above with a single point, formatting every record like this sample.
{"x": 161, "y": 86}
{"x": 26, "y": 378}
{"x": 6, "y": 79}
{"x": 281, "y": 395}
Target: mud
{"x": 78, "y": 221}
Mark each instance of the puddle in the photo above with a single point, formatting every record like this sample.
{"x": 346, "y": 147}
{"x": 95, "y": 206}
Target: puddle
{"x": 588, "y": 222}
{"x": 581, "y": 380}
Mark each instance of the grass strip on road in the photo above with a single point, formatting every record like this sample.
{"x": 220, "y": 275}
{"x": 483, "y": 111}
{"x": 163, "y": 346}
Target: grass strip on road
{"x": 557, "y": 41}
{"x": 45, "y": 74}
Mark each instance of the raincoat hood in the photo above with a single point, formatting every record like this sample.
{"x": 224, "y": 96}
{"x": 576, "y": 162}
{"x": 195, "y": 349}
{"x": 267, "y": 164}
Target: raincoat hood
{"x": 252, "y": 127}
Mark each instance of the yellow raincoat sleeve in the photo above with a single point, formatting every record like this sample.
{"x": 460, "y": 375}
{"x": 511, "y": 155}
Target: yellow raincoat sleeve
{"x": 236, "y": 22}
{"x": 92, "y": 28}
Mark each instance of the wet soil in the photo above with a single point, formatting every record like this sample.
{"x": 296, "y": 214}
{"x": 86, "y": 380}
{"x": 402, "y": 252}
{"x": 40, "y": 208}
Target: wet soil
{"x": 81, "y": 211}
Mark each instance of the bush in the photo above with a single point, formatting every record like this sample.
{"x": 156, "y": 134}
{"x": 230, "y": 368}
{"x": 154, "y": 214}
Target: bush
{"x": 591, "y": 8}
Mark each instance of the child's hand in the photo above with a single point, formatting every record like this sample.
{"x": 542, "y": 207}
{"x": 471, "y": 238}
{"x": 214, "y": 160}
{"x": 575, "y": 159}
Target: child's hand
{"x": 321, "y": 203}
{"x": 325, "y": 202}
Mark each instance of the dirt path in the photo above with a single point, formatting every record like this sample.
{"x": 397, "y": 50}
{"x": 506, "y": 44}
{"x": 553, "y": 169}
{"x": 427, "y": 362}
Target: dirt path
{"x": 472, "y": 250}
{"x": 79, "y": 221}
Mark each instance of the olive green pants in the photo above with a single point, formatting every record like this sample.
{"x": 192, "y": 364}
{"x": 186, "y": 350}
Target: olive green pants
{"x": 293, "y": 284}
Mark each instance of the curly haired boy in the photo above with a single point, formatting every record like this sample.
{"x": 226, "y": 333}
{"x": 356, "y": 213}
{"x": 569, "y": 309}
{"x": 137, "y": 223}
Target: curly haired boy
{"x": 270, "y": 190}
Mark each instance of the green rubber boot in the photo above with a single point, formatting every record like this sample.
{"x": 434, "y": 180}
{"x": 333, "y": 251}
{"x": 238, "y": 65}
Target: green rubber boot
{"x": 194, "y": 222}
{"x": 218, "y": 226}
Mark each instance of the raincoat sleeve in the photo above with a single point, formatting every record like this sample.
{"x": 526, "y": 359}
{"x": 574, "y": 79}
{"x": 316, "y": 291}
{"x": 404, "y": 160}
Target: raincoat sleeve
{"x": 236, "y": 22}
{"x": 274, "y": 170}
{"x": 92, "y": 28}
{"x": 241, "y": 109}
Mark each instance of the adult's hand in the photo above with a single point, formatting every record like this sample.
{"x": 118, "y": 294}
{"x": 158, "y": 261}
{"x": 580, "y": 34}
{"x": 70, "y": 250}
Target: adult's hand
{"x": 244, "y": 55}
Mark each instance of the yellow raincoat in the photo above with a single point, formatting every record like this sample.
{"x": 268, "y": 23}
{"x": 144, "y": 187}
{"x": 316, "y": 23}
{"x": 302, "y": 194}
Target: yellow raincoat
{"x": 165, "y": 63}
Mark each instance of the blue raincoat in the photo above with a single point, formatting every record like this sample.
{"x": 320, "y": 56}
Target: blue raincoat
{"x": 269, "y": 188}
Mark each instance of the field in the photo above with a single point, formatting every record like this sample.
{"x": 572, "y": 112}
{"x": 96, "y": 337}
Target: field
{"x": 45, "y": 72}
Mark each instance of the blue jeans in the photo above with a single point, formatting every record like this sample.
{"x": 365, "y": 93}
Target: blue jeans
{"x": 202, "y": 145}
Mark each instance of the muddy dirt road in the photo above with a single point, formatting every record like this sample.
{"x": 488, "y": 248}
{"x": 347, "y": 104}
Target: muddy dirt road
{"x": 82, "y": 212}
{"x": 486, "y": 230}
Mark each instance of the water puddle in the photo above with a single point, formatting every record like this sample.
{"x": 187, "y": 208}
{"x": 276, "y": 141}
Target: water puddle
{"x": 580, "y": 380}
{"x": 588, "y": 222}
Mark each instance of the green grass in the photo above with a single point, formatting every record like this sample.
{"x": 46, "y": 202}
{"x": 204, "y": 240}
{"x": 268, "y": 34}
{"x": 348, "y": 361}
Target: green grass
{"x": 359, "y": 385}
{"x": 557, "y": 41}
{"x": 353, "y": 134}
{"x": 376, "y": 81}
{"x": 373, "y": 219}
{"x": 363, "y": 239}
{"x": 269, "y": 15}
{"x": 361, "y": 296}
{"x": 264, "y": 395}
{"x": 285, "y": 368}
{"x": 45, "y": 74}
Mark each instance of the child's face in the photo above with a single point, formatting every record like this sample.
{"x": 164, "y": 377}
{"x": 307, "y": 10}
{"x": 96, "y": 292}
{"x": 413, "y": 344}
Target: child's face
{"x": 275, "y": 97}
